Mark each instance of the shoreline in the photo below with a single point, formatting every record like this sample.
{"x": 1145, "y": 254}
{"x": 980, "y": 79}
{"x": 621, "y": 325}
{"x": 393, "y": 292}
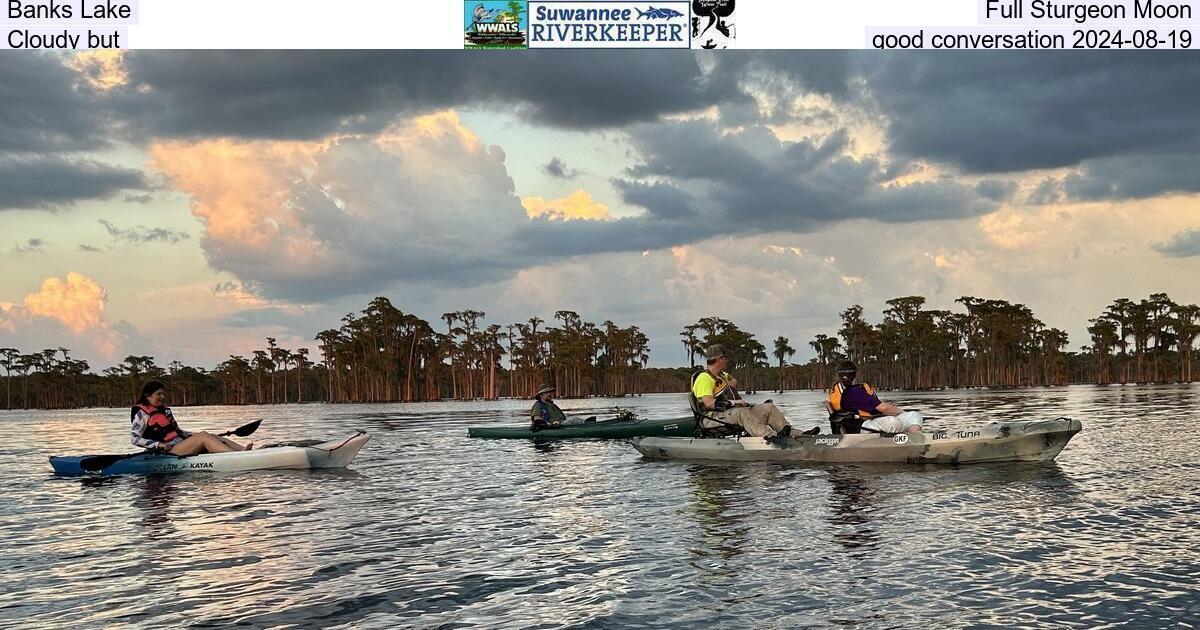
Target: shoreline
{"x": 628, "y": 397}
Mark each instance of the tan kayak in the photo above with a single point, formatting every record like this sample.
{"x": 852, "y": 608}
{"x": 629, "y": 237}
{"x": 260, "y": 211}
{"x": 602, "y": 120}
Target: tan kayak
{"x": 995, "y": 442}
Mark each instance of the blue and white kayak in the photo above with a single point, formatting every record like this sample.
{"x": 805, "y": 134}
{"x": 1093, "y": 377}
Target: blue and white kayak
{"x": 293, "y": 455}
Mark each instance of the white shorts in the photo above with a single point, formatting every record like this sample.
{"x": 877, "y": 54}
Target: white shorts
{"x": 895, "y": 424}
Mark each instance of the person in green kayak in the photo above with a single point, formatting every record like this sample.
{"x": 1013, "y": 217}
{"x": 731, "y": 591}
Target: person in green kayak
{"x": 545, "y": 414}
{"x": 714, "y": 389}
{"x": 154, "y": 427}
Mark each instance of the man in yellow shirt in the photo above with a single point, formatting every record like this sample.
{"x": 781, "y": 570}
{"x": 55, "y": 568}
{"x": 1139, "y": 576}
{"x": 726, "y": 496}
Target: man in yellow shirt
{"x": 714, "y": 389}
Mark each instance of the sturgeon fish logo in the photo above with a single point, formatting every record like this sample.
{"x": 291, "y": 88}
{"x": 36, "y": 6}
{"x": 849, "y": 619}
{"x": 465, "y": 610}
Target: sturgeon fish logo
{"x": 658, "y": 14}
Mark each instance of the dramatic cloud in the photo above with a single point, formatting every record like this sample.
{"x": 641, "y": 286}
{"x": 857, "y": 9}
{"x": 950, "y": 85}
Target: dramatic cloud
{"x": 770, "y": 83}
{"x": 77, "y": 302}
{"x": 142, "y": 234}
{"x": 47, "y": 183}
{"x": 73, "y": 307}
{"x": 318, "y": 178}
{"x": 43, "y": 111}
{"x": 577, "y": 205}
{"x": 1134, "y": 177}
{"x": 557, "y": 168}
{"x": 48, "y": 113}
{"x": 1183, "y": 244}
{"x": 988, "y": 113}
{"x": 305, "y": 220}
{"x": 103, "y": 70}
{"x": 311, "y": 94}
{"x": 695, "y": 182}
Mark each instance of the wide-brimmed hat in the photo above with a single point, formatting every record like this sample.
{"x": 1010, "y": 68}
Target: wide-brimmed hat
{"x": 543, "y": 389}
{"x": 715, "y": 351}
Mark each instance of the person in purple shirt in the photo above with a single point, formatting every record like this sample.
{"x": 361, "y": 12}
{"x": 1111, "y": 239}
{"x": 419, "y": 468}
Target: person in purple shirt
{"x": 872, "y": 414}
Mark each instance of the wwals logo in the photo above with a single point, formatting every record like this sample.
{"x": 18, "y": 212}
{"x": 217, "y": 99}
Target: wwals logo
{"x": 495, "y": 23}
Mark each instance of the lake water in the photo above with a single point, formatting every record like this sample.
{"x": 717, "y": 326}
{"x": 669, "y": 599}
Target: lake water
{"x": 429, "y": 528}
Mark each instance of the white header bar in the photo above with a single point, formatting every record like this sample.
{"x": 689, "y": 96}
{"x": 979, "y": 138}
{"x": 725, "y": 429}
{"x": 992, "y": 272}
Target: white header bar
{"x": 440, "y": 24}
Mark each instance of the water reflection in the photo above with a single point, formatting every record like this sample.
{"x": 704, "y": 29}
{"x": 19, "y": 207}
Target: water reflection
{"x": 546, "y": 446}
{"x": 429, "y": 528}
{"x": 722, "y": 529}
{"x": 154, "y": 499}
{"x": 851, "y": 503}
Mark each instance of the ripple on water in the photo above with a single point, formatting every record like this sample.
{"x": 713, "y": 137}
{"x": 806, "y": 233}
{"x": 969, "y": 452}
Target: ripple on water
{"x": 432, "y": 529}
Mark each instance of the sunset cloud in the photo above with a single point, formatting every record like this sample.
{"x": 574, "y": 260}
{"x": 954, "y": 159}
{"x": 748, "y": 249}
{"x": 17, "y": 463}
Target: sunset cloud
{"x": 577, "y": 205}
{"x": 76, "y": 302}
{"x": 101, "y": 69}
{"x": 772, "y": 187}
{"x": 351, "y": 214}
{"x": 74, "y": 305}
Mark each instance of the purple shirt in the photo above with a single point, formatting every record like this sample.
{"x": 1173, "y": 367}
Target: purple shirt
{"x": 856, "y": 398}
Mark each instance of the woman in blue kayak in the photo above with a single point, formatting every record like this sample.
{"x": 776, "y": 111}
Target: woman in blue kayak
{"x": 154, "y": 427}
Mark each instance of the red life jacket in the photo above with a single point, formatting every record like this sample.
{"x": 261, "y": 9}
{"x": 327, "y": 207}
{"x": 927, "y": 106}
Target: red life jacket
{"x": 160, "y": 425}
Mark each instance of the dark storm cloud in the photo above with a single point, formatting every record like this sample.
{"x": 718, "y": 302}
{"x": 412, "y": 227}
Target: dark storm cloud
{"x": 557, "y": 239}
{"x": 42, "y": 183}
{"x": 1183, "y": 244}
{"x": 42, "y": 111}
{"x": 1135, "y": 177}
{"x": 558, "y": 168}
{"x": 753, "y": 179}
{"x": 1014, "y": 112}
{"x": 695, "y": 183}
{"x": 977, "y": 112}
{"x": 47, "y": 114}
{"x": 1126, "y": 123}
{"x": 996, "y": 190}
{"x": 825, "y": 72}
{"x": 310, "y": 94}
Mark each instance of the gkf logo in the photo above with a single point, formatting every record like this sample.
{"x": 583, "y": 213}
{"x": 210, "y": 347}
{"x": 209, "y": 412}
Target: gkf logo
{"x": 609, "y": 24}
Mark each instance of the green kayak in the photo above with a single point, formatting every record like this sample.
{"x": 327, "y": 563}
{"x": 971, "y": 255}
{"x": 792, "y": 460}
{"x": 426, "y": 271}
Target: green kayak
{"x": 612, "y": 429}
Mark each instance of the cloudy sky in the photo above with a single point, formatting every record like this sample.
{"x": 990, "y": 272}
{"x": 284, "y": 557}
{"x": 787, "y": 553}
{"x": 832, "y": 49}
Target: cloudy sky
{"x": 188, "y": 205}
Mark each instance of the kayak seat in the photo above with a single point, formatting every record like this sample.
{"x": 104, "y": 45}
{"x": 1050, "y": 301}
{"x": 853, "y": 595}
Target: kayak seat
{"x": 850, "y": 423}
{"x": 723, "y": 429}
{"x": 845, "y": 422}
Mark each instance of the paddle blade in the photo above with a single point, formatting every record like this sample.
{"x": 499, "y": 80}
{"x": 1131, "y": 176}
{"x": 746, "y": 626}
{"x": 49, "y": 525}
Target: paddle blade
{"x": 96, "y": 463}
{"x": 245, "y": 429}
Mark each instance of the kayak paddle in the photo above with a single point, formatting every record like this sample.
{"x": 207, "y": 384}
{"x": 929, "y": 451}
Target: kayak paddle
{"x": 244, "y": 430}
{"x": 100, "y": 462}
